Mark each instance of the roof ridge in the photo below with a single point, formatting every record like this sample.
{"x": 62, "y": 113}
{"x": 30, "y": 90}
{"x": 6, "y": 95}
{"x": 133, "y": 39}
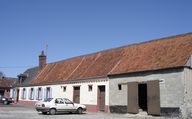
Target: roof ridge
{"x": 155, "y": 40}
{"x": 128, "y": 45}
{"x": 166, "y": 38}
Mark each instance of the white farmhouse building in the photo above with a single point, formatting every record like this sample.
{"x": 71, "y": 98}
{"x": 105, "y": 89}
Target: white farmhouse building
{"x": 153, "y": 76}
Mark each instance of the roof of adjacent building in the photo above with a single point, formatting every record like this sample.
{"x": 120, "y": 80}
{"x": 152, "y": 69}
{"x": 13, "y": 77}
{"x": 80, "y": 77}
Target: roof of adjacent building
{"x": 6, "y": 82}
{"x": 161, "y": 53}
{"x": 28, "y": 75}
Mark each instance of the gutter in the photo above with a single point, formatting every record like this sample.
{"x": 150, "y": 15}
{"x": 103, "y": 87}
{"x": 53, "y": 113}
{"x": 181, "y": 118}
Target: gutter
{"x": 141, "y": 71}
{"x": 99, "y": 78}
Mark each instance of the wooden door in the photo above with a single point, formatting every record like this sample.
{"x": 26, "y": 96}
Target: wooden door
{"x": 153, "y": 97}
{"x": 132, "y": 106}
{"x": 17, "y": 95}
{"x": 101, "y": 98}
{"x": 76, "y": 94}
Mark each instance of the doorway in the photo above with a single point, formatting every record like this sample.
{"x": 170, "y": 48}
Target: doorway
{"x": 101, "y": 98}
{"x": 142, "y": 95}
{"x": 17, "y": 99}
{"x": 145, "y": 96}
{"x": 76, "y": 94}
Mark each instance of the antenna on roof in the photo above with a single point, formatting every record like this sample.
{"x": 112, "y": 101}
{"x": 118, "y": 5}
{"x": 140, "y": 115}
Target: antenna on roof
{"x": 46, "y": 49}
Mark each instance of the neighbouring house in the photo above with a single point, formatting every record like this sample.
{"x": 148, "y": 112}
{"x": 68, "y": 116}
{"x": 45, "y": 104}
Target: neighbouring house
{"x": 6, "y": 84}
{"x": 153, "y": 76}
{"x": 24, "y": 80}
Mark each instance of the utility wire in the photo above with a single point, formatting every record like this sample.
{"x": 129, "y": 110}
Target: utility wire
{"x": 14, "y": 67}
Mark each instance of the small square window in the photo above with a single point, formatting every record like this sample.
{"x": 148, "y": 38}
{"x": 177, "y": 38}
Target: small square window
{"x": 90, "y": 87}
{"x": 64, "y": 88}
{"x": 119, "y": 86}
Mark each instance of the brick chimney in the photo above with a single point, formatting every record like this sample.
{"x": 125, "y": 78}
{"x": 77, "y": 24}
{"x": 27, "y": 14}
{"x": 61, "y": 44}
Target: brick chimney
{"x": 42, "y": 60}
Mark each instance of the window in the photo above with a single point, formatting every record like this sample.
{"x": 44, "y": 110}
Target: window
{"x": 119, "y": 86}
{"x": 24, "y": 93}
{"x": 48, "y": 92}
{"x": 11, "y": 93}
{"x": 39, "y": 94}
{"x": 67, "y": 101}
{"x": 32, "y": 94}
{"x": 90, "y": 88}
{"x": 59, "y": 101}
{"x": 64, "y": 88}
{"x": 48, "y": 100}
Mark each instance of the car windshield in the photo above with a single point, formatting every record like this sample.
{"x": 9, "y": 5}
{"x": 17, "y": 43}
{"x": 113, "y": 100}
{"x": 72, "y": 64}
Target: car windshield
{"x": 47, "y": 99}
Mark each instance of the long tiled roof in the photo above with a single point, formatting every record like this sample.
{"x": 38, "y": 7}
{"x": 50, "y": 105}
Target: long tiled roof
{"x": 156, "y": 54}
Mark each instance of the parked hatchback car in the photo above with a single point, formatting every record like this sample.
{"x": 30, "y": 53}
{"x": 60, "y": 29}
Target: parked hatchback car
{"x": 6, "y": 100}
{"x": 54, "y": 105}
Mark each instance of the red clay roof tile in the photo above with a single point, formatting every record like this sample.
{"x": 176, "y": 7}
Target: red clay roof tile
{"x": 157, "y": 54}
{"x": 163, "y": 53}
{"x": 4, "y": 83}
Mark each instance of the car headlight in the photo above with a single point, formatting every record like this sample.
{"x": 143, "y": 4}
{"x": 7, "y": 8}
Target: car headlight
{"x": 3, "y": 99}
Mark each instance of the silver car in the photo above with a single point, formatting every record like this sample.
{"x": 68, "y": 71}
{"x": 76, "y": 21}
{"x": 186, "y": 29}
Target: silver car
{"x": 54, "y": 105}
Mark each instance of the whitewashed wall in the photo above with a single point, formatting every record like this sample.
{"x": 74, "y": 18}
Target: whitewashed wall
{"x": 86, "y": 96}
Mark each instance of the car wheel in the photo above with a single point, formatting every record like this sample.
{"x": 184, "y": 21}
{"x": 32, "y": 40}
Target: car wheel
{"x": 44, "y": 112}
{"x": 79, "y": 110}
{"x": 52, "y": 111}
{"x": 5, "y": 102}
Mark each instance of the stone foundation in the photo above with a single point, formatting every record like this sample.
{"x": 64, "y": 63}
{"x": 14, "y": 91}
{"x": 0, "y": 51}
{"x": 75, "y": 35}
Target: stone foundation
{"x": 170, "y": 111}
{"x": 118, "y": 109}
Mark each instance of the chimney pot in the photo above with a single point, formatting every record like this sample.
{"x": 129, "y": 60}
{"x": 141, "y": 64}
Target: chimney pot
{"x": 42, "y": 60}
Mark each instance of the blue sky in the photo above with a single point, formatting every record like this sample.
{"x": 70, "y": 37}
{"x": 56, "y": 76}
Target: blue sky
{"x": 75, "y": 27}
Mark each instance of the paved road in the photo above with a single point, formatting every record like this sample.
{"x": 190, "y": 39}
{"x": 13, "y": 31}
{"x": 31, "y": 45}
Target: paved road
{"x": 23, "y": 112}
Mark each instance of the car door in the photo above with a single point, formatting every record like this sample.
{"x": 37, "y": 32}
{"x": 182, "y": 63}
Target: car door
{"x": 59, "y": 104}
{"x": 69, "y": 105}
